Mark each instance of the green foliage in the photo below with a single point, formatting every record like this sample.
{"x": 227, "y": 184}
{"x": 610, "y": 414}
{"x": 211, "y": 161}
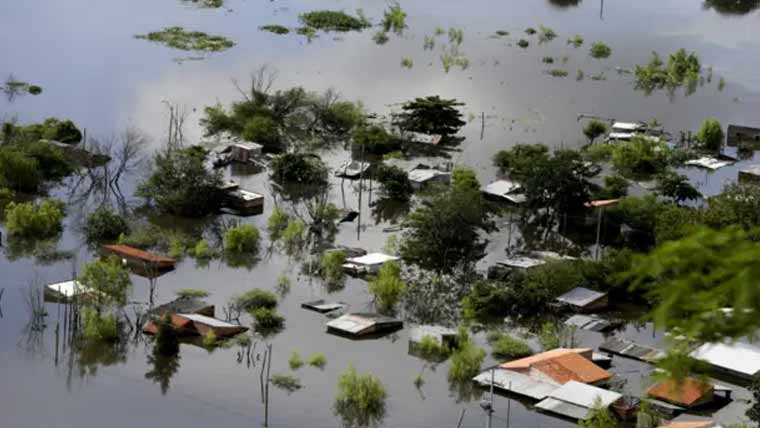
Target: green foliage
{"x": 486, "y": 300}
{"x": 299, "y": 168}
{"x": 466, "y": 358}
{"x": 109, "y": 279}
{"x": 547, "y": 60}
{"x": 710, "y": 135}
{"x": 444, "y": 233}
{"x": 52, "y": 129}
{"x": 429, "y": 44}
{"x": 294, "y": 236}
{"x": 739, "y": 204}
{"x": 640, "y": 157}
{"x": 203, "y": 251}
{"x": 192, "y": 293}
{"x": 242, "y": 239}
{"x": 209, "y": 340}
{"x": 380, "y": 37}
{"x": 419, "y": 381}
{"x": 283, "y": 284}
{"x": 255, "y": 298}
{"x": 647, "y": 417}
{"x": 394, "y": 18}
{"x": 576, "y": 41}
{"x": 167, "y": 341}
{"x": 6, "y": 196}
{"x": 407, "y": 62}
{"x": 518, "y": 160}
{"x": 276, "y": 29}
{"x": 523, "y": 43}
{"x": 19, "y": 172}
{"x": 753, "y": 412}
{"x": 99, "y": 327}
{"x": 180, "y": 184}
{"x": 286, "y": 382}
{"x": 318, "y": 360}
{"x": 388, "y": 287}
{"x": 30, "y": 220}
{"x": 692, "y": 281}
{"x": 600, "y": 50}
{"x": 103, "y": 224}
{"x": 376, "y": 140}
{"x": 615, "y": 186}
{"x": 676, "y": 186}
{"x": 464, "y": 179}
{"x": 546, "y": 34}
{"x": 431, "y": 115}
{"x": 682, "y": 67}
{"x": 594, "y": 129}
{"x": 530, "y": 31}
{"x": 558, "y": 72}
{"x": 504, "y": 346}
{"x": 309, "y": 32}
{"x": 331, "y": 267}
{"x": 599, "y": 416}
{"x": 430, "y": 349}
{"x": 277, "y": 223}
{"x": 360, "y": 399}
{"x": 395, "y": 182}
{"x": 51, "y": 160}
{"x": 267, "y": 319}
{"x": 552, "y": 335}
{"x": 295, "y": 362}
{"x": 179, "y": 38}
{"x": 330, "y": 20}
{"x": 143, "y": 237}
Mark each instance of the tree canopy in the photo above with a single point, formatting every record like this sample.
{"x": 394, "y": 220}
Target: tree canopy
{"x": 431, "y": 115}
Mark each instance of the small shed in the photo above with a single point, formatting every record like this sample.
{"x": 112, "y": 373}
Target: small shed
{"x": 710, "y": 163}
{"x": 369, "y": 263}
{"x": 750, "y": 174}
{"x": 421, "y": 176}
{"x": 323, "y": 306}
{"x": 588, "y": 322}
{"x": 245, "y": 201}
{"x": 740, "y": 360}
{"x": 433, "y": 139}
{"x": 631, "y": 349}
{"x": 443, "y": 336}
{"x": 505, "y": 190}
{"x": 199, "y": 325}
{"x": 65, "y": 291}
{"x": 183, "y": 304}
{"x": 742, "y": 135}
{"x": 140, "y": 258}
{"x": 363, "y": 324}
{"x": 689, "y": 393}
{"x": 575, "y": 399}
{"x": 245, "y": 152}
{"x": 582, "y": 299}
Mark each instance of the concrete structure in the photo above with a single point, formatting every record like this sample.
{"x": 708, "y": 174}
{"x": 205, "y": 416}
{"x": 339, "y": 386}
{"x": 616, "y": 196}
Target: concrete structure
{"x": 742, "y": 135}
{"x": 323, "y": 306}
{"x": 245, "y": 201}
{"x": 750, "y": 174}
{"x": 245, "y": 152}
{"x": 66, "y": 291}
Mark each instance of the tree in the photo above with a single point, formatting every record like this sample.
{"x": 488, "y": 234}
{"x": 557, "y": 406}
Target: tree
{"x": 593, "y": 129}
{"x": 375, "y": 140}
{"x": 676, "y": 187}
{"x": 30, "y": 220}
{"x": 387, "y": 286}
{"x": 753, "y": 413}
{"x": 520, "y": 160}
{"x": 395, "y": 182}
{"x": 181, "y": 184}
{"x": 299, "y": 168}
{"x": 19, "y": 172}
{"x": 242, "y": 239}
{"x": 710, "y": 135}
{"x": 105, "y": 225}
{"x": 466, "y": 358}
{"x": 431, "y": 115}
{"x": 599, "y": 416}
{"x": 109, "y": 279}
{"x": 615, "y": 186}
{"x": 640, "y": 157}
{"x": 443, "y": 234}
{"x": 464, "y": 178}
{"x": 739, "y": 204}
{"x": 360, "y": 400}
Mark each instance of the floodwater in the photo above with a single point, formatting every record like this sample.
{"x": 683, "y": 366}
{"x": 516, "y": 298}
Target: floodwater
{"x": 94, "y": 72}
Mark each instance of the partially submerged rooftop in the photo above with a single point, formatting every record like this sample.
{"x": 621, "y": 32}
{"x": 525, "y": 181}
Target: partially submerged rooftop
{"x": 584, "y": 299}
{"x": 506, "y": 190}
{"x": 363, "y": 324}
{"x": 136, "y": 255}
{"x": 690, "y": 392}
{"x": 575, "y": 399}
{"x": 631, "y": 349}
{"x": 739, "y": 359}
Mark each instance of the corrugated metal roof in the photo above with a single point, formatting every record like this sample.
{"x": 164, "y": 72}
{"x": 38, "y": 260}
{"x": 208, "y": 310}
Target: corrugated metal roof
{"x": 505, "y": 189}
{"x": 139, "y": 254}
{"x": 581, "y": 297}
{"x": 586, "y": 322}
{"x": 686, "y": 393}
{"x": 571, "y": 367}
{"x": 525, "y": 363}
{"x": 563, "y": 408}
{"x": 372, "y": 259}
{"x": 69, "y": 288}
{"x": 437, "y": 332}
{"x": 584, "y": 395}
{"x": 357, "y": 323}
{"x": 739, "y": 357}
{"x": 517, "y": 383}
{"x": 708, "y": 163}
{"x": 521, "y": 262}
{"x": 213, "y": 322}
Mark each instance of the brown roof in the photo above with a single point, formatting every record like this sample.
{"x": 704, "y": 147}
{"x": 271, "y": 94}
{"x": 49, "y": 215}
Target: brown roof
{"x": 136, "y": 253}
{"x": 527, "y": 362}
{"x": 689, "y": 392}
{"x": 600, "y": 203}
{"x": 702, "y": 424}
{"x": 565, "y": 368}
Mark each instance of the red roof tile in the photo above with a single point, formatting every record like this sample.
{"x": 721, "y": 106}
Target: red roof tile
{"x": 564, "y": 368}
{"x": 525, "y": 363}
{"x": 688, "y": 393}
{"x": 136, "y": 253}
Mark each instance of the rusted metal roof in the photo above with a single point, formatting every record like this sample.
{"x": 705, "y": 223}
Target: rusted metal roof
{"x": 694, "y": 424}
{"x": 135, "y": 253}
{"x": 525, "y": 363}
{"x": 601, "y": 203}
{"x": 571, "y": 367}
{"x": 687, "y": 393}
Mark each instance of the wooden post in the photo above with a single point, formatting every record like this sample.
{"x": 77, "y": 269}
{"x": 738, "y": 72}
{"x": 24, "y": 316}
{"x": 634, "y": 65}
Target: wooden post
{"x": 461, "y": 417}
{"x": 482, "y": 124}
{"x": 598, "y": 233}
{"x": 361, "y": 177}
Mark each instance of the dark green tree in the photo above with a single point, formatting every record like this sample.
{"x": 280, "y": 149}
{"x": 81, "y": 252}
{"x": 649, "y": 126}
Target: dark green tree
{"x": 676, "y": 186}
{"x": 594, "y": 129}
{"x": 431, "y": 115}
{"x": 105, "y": 225}
{"x": 395, "y": 182}
{"x": 753, "y": 413}
{"x": 710, "y": 135}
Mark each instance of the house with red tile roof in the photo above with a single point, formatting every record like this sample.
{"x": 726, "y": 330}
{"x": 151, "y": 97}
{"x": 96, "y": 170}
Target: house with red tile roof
{"x": 689, "y": 393}
{"x": 560, "y": 366}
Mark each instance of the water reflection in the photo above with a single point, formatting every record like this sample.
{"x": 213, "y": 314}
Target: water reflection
{"x": 732, "y": 7}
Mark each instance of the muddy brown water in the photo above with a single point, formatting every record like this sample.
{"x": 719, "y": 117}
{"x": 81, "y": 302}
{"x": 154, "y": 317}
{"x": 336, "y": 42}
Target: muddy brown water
{"x": 82, "y": 53}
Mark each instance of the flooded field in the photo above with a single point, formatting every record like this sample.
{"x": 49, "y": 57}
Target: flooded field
{"x": 97, "y": 74}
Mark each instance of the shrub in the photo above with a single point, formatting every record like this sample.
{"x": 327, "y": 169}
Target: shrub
{"x": 276, "y": 29}
{"x": 209, "y": 339}
{"x": 407, "y": 62}
{"x": 466, "y": 359}
{"x": 109, "y": 279}
{"x": 34, "y": 89}
{"x": 295, "y": 361}
{"x": 299, "y": 168}
{"x": 547, "y": 60}
{"x": 144, "y": 237}
{"x": 546, "y": 34}
{"x": 615, "y": 186}
{"x": 360, "y": 399}
{"x": 388, "y": 287}
{"x": 523, "y": 43}
{"x": 331, "y": 266}
{"x": 203, "y": 250}
{"x": 277, "y": 223}
{"x": 267, "y": 319}
{"x": 395, "y": 182}
{"x": 464, "y": 179}
{"x": 50, "y": 159}
{"x": 255, "y": 299}
{"x": 576, "y": 41}
{"x": 710, "y": 135}
{"x": 242, "y": 239}
{"x": 600, "y": 50}
{"x": 374, "y": 139}
{"x": 431, "y": 350}
{"x": 192, "y": 292}
{"x": 506, "y": 346}
{"x": 330, "y": 20}
{"x": 19, "y": 172}
{"x": 286, "y": 382}
{"x": 179, "y": 38}
{"x": 431, "y": 115}
{"x": 640, "y": 157}
{"x": 394, "y": 19}
{"x": 32, "y": 220}
{"x": 593, "y": 129}
{"x": 105, "y": 225}
{"x": 318, "y": 360}
{"x": 558, "y": 72}
{"x": 99, "y": 327}
{"x": 294, "y": 236}
{"x": 6, "y": 195}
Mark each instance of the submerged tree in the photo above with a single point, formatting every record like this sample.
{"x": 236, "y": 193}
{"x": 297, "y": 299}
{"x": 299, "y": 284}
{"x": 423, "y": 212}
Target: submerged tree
{"x": 676, "y": 186}
{"x": 431, "y": 115}
{"x": 710, "y": 136}
{"x": 388, "y": 287}
{"x": 360, "y": 400}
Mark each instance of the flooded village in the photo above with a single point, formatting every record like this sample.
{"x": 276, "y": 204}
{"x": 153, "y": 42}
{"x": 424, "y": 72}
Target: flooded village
{"x": 380, "y": 214}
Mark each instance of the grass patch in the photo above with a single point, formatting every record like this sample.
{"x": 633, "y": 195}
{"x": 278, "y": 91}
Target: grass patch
{"x": 721, "y": 84}
{"x": 178, "y": 38}
{"x": 576, "y": 40}
{"x": 192, "y": 292}
{"x": 523, "y": 43}
{"x": 333, "y": 20}
{"x": 394, "y": 19}
{"x": 600, "y": 50}
{"x": 295, "y": 362}
{"x": 276, "y": 29}
{"x": 309, "y": 32}
{"x": 508, "y": 347}
{"x": 682, "y": 68}
{"x": 546, "y": 34}
{"x": 381, "y": 37}
{"x": 429, "y": 43}
{"x": 267, "y": 320}
{"x": 407, "y": 62}
{"x": 558, "y": 72}
{"x": 547, "y": 60}
{"x": 318, "y": 360}
{"x": 287, "y": 383}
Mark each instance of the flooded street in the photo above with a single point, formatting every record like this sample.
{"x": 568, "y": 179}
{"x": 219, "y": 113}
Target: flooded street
{"x": 97, "y": 74}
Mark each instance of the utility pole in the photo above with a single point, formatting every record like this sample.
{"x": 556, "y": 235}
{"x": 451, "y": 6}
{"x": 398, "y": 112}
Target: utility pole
{"x": 598, "y": 233}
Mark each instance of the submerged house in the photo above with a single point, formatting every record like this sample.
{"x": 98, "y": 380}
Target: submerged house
{"x": 140, "y": 258}
{"x": 185, "y": 305}
{"x": 199, "y": 325}
{"x": 582, "y": 299}
{"x": 363, "y": 324}
{"x": 244, "y": 201}
{"x": 739, "y": 360}
{"x": 688, "y": 394}
{"x": 244, "y": 152}
{"x": 630, "y": 349}
{"x": 352, "y": 169}
{"x": 432, "y": 139}
{"x": 742, "y": 135}
{"x": 750, "y": 174}
{"x": 589, "y": 322}
{"x": 322, "y": 306}
{"x": 711, "y": 163}
{"x": 369, "y": 263}
{"x": 574, "y": 400}
{"x": 423, "y": 175}
{"x": 66, "y": 291}
{"x": 505, "y": 190}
